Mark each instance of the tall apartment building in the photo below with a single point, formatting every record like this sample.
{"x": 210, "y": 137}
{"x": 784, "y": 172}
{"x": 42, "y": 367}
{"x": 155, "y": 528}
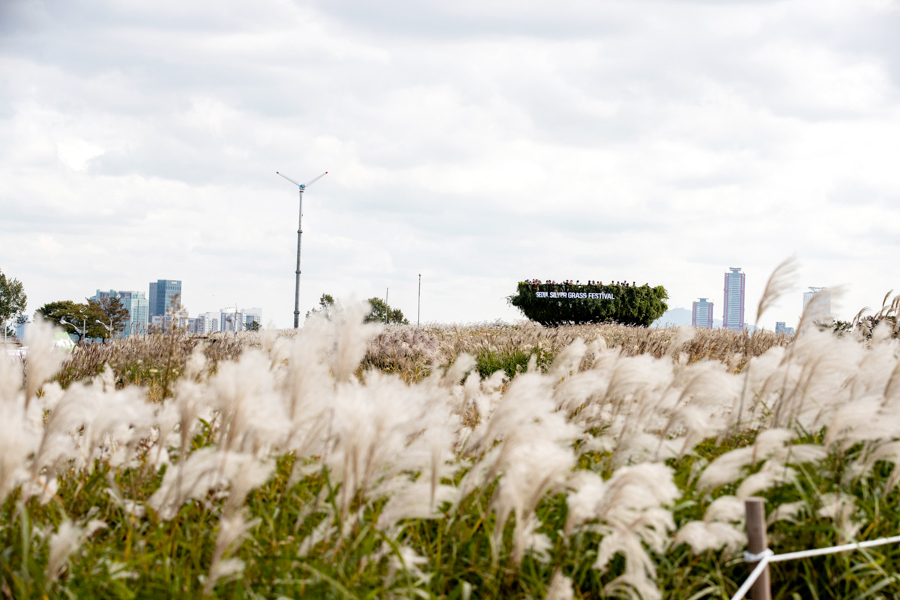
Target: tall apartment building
{"x": 733, "y": 311}
{"x": 162, "y": 297}
{"x": 137, "y": 306}
{"x": 822, "y": 309}
{"x": 702, "y": 314}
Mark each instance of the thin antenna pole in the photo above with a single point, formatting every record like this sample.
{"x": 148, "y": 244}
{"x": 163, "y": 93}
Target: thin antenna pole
{"x": 419, "y": 312}
{"x": 297, "y": 285}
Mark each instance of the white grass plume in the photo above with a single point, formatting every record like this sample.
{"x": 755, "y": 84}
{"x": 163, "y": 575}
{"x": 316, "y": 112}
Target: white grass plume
{"x": 560, "y": 588}
{"x": 251, "y": 417}
{"x": 788, "y": 511}
{"x": 67, "y": 539}
{"x": 207, "y": 469}
{"x": 816, "y": 307}
{"x": 43, "y": 357}
{"x": 232, "y": 531}
{"x": 682, "y": 336}
{"x": 781, "y": 281}
{"x": 406, "y": 560}
{"x": 702, "y": 536}
{"x": 841, "y": 509}
{"x": 629, "y": 511}
{"x": 728, "y": 467}
{"x": 352, "y": 337}
{"x": 18, "y": 441}
{"x": 11, "y": 375}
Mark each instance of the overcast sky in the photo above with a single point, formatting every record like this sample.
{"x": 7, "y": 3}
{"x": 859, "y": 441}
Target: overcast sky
{"x": 475, "y": 142}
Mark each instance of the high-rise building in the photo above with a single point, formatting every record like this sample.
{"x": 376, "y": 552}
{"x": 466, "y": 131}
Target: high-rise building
{"x": 207, "y": 323}
{"x": 822, "y": 308}
{"x": 252, "y": 315}
{"x": 781, "y": 328}
{"x": 160, "y": 323}
{"x": 137, "y": 306}
{"x": 151, "y": 297}
{"x": 230, "y": 317}
{"x": 733, "y": 311}
{"x": 243, "y": 317}
{"x": 702, "y": 314}
{"x": 163, "y": 293}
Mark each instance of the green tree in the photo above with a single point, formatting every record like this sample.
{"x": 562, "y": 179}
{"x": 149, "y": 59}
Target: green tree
{"x": 54, "y": 311}
{"x": 382, "y": 313}
{"x": 77, "y": 317}
{"x": 252, "y": 326}
{"x": 115, "y": 315}
{"x": 12, "y": 300}
{"x": 326, "y": 305}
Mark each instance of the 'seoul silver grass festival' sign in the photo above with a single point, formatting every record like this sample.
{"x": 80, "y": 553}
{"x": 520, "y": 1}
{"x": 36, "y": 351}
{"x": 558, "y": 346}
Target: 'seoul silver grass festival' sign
{"x": 589, "y": 295}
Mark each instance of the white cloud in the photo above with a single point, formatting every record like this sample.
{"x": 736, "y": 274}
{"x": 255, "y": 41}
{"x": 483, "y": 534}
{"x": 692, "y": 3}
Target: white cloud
{"x": 75, "y": 153}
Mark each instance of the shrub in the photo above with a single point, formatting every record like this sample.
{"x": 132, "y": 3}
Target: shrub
{"x": 635, "y": 305}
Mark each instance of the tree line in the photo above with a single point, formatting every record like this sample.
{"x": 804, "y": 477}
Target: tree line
{"x": 92, "y": 319}
{"x": 98, "y": 319}
{"x": 381, "y": 312}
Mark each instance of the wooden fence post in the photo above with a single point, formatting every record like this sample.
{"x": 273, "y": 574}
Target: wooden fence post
{"x": 756, "y": 544}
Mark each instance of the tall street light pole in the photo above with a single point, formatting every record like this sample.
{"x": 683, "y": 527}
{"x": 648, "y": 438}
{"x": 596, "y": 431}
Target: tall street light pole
{"x": 83, "y": 324}
{"x": 302, "y": 187}
{"x": 107, "y": 327}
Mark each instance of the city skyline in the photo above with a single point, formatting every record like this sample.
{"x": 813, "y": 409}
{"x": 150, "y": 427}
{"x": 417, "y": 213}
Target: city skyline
{"x": 214, "y": 321}
{"x": 141, "y": 319}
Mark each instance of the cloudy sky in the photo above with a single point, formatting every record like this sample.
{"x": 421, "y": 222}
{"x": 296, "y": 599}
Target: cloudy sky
{"x": 475, "y": 142}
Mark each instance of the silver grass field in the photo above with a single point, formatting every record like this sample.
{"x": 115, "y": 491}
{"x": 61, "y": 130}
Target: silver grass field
{"x": 349, "y": 460}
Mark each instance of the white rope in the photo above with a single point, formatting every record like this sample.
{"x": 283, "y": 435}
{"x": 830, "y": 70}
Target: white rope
{"x": 757, "y": 557}
{"x": 767, "y": 556}
{"x": 764, "y": 559}
{"x": 834, "y": 549}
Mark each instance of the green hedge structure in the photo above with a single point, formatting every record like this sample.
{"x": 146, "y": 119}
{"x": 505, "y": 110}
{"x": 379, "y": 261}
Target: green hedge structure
{"x": 576, "y": 304}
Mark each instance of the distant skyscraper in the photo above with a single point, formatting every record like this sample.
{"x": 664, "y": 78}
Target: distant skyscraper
{"x": 243, "y": 317}
{"x": 163, "y": 322}
{"x": 230, "y": 317}
{"x": 780, "y": 328}
{"x": 733, "y": 311}
{"x": 208, "y": 322}
{"x": 702, "y": 314}
{"x": 151, "y": 297}
{"x": 162, "y": 297}
{"x": 252, "y": 315}
{"x": 823, "y": 303}
{"x": 136, "y": 305}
